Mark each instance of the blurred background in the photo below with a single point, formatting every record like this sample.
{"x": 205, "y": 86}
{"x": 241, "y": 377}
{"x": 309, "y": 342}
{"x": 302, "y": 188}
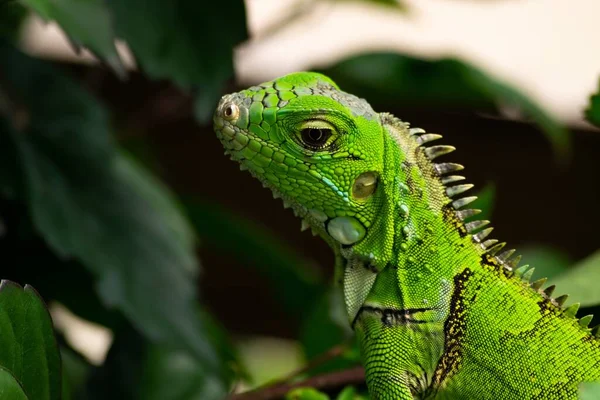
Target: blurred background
{"x": 159, "y": 258}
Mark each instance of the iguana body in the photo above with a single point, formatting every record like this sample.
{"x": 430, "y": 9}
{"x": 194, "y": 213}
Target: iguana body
{"x": 439, "y": 312}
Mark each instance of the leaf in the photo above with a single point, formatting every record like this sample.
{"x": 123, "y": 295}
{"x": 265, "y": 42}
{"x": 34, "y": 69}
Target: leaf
{"x": 549, "y": 262}
{"x": 327, "y": 327}
{"x": 388, "y": 78}
{"x": 580, "y": 282}
{"x": 305, "y": 393}
{"x": 12, "y": 15}
{"x": 592, "y": 113}
{"x": 9, "y": 387}
{"x": 91, "y": 203}
{"x": 589, "y": 391}
{"x": 97, "y": 33}
{"x": 294, "y": 278}
{"x": 485, "y": 202}
{"x": 189, "y": 42}
{"x": 136, "y": 369}
{"x": 27, "y": 345}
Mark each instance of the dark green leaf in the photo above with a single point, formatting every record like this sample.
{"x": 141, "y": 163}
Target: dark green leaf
{"x": 592, "y": 113}
{"x": 580, "y": 282}
{"x": 189, "y": 42}
{"x": 138, "y": 370}
{"x": 387, "y": 78}
{"x": 9, "y": 387}
{"x": 294, "y": 278}
{"x": 485, "y": 202}
{"x": 12, "y": 15}
{"x": 87, "y": 23}
{"x": 549, "y": 262}
{"x": 326, "y": 327}
{"x": 91, "y": 203}
{"x": 27, "y": 345}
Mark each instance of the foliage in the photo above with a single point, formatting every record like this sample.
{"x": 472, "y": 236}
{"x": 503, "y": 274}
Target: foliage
{"x": 29, "y": 358}
{"x": 94, "y": 229}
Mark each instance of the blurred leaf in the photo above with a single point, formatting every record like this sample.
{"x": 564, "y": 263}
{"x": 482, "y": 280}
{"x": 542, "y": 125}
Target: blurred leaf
{"x": 549, "y": 262}
{"x": 269, "y": 359}
{"x": 9, "y": 387}
{"x": 485, "y": 202}
{"x": 592, "y": 113}
{"x": 324, "y": 328}
{"x": 136, "y": 369}
{"x": 350, "y": 393}
{"x": 9, "y": 167}
{"x": 580, "y": 282}
{"x": 28, "y": 348}
{"x": 294, "y": 278}
{"x": 189, "y": 42}
{"x": 12, "y": 14}
{"x": 76, "y": 370}
{"x": 305, "y": 393}
{"x": 589, "y": 391}
{"x": 91, "y": 203}
{"x": 87, "y": 23}
{"x": 388, "y": 78}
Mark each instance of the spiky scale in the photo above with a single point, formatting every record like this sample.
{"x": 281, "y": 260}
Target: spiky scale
{"x": 549, "y": 290}
{"x": 458, "y": 189}
{"x": 585, "y": 321}
{"x": 459, "y": 203}
{"x": 488, "y": 244}
{"x": 561, "y": 300}
{"x": 479, "y": 236}
{"x": 416, "y": 131}
{"x": 571, "y": 311}
{"x": 536, "y": 285}
{"x": 527, "y": 275}
{"x": 596, "y": 331}
{"x": 304, "y": 225}
{"x": 496, "y": 248}
{"x": 505, "y": 255}
{"x": 428, "y": 137}
{"x": 513, "y": 262}
{"x": 444, "y": 168}
{"x": 464, "y": 214}
{"x": 472, "y": 226}
{"x": 446, "y": 180}
{"x": 434, "y": 152}
{"x": 521, "y": 270}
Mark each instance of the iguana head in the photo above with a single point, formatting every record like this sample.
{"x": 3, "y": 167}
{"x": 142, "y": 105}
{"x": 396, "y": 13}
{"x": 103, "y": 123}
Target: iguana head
{"x": 318, "y": 148}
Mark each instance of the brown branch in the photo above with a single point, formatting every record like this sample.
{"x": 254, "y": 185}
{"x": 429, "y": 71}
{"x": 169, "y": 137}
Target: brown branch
{"x": 324, "y": 382}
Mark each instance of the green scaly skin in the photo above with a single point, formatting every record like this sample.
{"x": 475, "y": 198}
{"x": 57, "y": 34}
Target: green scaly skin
{"x": 440, "y": 313}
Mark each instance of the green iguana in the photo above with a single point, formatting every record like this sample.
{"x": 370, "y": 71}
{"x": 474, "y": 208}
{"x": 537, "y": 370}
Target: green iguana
{"x": 439, "y": 310}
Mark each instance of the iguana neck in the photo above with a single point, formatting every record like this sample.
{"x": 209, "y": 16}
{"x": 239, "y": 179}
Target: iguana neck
{"x": 415, "y": 209}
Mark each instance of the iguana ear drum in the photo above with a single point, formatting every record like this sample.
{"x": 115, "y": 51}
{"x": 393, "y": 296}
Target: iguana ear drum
{"x": 365, "y": 185}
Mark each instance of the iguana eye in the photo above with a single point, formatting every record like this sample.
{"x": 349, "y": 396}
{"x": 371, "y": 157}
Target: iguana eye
{"x": 230, "y": 111}
{"x": 315, "y": 138}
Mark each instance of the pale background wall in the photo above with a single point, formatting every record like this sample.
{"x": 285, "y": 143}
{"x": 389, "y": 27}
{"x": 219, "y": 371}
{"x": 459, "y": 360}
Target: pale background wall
{"x": 550, "y": 48}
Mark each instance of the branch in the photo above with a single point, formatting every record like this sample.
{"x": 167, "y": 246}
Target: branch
{"x": 323, "y": 382}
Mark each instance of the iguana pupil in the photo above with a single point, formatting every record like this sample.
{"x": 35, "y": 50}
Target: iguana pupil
{"x": 315, "y": 137}
{"x": 440, "y": 310}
